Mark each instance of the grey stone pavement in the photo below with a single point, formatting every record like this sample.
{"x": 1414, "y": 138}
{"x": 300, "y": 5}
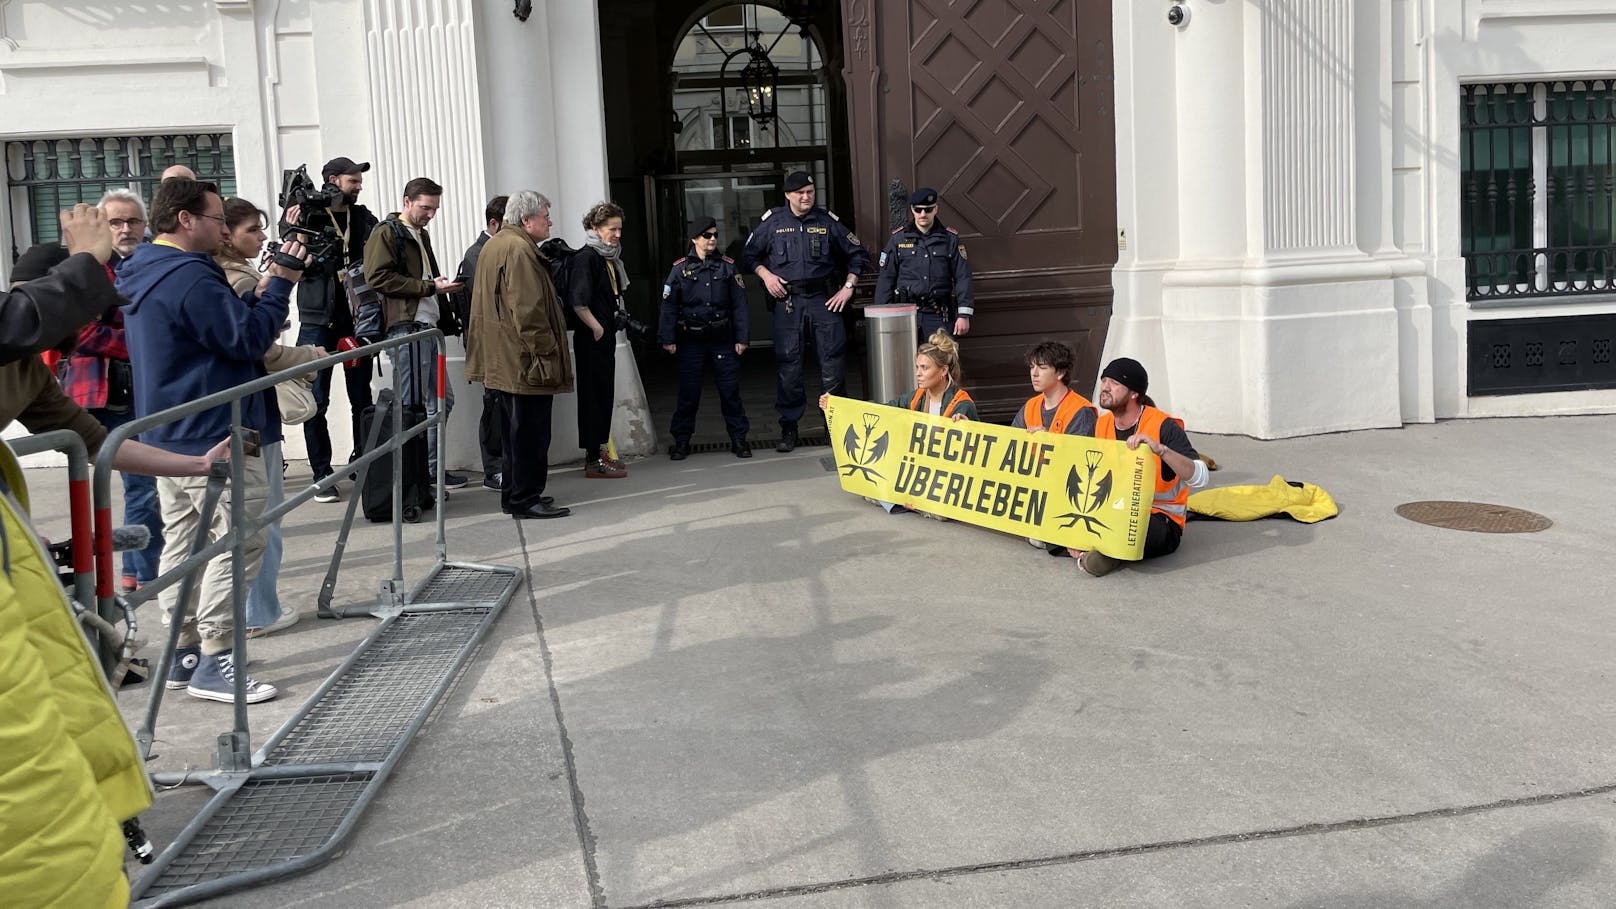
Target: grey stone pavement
{"x": 728, "y": 681}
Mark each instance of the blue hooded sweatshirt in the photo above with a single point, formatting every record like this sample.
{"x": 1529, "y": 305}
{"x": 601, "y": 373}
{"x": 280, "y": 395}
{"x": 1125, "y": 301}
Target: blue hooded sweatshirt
{"x": 190, "y": 336}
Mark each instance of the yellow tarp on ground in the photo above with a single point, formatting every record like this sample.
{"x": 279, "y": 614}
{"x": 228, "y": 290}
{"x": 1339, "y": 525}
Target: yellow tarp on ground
{"x": 1074, "y": 491}
{"x": 1306, "y": 503}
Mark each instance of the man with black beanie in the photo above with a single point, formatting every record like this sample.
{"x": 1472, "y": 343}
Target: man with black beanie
{"x": 1127, "y": 414}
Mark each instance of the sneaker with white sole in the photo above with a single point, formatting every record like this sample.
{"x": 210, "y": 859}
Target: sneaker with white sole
{"x": 1036, "y": 543}
{"x": 329, "y": 494}
{"x": 287, "y": 620}
{"x": 186, "y": 660}
{"x": 1097, "y": 564}
{"x": 215, "y": 680}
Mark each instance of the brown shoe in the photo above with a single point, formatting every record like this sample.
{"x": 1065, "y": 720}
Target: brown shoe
{"x": 1097, "y": 564}
{"x": 602, "y": 470}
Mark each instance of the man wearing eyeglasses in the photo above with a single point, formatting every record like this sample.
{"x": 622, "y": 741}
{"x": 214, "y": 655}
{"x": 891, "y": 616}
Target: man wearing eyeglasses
{"x": 190, "y": 336}
{"x": 924, "y": 265}
{"x": 797, "y": 249}
{"x": 97, "y": 375}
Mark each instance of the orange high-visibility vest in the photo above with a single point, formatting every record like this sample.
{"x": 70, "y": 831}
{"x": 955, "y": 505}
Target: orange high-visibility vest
{"x": 1033, "y": 413}
{"x": 1172, "y": 496}
{"x": 948, "y": 409}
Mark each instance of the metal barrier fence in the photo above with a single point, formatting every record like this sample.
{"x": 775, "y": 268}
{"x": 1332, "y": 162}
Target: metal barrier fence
{"x": 290, "y": 805}
{"x": 235, "y": 748}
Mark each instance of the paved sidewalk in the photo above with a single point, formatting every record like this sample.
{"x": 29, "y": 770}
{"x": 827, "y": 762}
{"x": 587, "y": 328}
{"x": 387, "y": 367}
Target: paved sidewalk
{"x": 727, "y": 680}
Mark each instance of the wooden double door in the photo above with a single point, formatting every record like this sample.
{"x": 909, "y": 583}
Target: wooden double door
{"x": 1004, "y": 107}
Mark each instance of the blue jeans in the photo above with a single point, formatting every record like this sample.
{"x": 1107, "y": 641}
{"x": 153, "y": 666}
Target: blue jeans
{"x": 316, "y": 433}
{"x": 139, "y": 507}
{"x": 263, "y": 602}
{"x": 418, "y": 364}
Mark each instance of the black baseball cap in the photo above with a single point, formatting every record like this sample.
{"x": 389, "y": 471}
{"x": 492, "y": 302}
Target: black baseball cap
{"x": 699, "y": 226}
{"x": 798, "y": 179}
{"x": 348, "y": 166}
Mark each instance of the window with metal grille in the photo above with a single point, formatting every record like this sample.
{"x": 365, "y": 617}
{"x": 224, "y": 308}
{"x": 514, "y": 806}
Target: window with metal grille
{"x": 44, "y": 176}
{"x": 1538, "y": 177}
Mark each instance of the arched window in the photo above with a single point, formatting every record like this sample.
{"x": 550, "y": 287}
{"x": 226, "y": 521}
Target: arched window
{"x": 746, "y": 77}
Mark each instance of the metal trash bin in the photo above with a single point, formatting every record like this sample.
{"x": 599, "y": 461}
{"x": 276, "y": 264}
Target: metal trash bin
{"x": 890, "y": 338}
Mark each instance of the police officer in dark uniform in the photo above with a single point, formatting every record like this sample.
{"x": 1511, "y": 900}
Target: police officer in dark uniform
{"x": 797, "y": 249}
{"x": 703, "y": 320}
{"x": 924, "y": 265}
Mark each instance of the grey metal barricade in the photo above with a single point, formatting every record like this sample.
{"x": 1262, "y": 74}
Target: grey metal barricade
{"x": 316, "y": 787}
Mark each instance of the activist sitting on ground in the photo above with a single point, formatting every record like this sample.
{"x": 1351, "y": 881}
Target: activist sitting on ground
{"x": 937, "y": 389}
{"x": 1128, "y": 414}
{"x": 1054, "y": 406}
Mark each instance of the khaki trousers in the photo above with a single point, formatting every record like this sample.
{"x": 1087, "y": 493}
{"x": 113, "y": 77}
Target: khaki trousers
{"x": 208, "y": 617}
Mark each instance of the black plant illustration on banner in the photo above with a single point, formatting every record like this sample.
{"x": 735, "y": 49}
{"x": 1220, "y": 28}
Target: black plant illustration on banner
{"x": 1087, "y": 494}
{"x": 866, "y": 452}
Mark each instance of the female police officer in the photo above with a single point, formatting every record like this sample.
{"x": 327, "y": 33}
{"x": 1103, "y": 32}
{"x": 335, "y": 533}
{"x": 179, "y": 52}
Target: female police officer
{"x": 703, "y": 321}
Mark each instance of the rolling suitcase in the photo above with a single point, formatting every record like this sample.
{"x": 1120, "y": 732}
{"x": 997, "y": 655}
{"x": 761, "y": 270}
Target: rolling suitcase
{"x": 378, "y": 487}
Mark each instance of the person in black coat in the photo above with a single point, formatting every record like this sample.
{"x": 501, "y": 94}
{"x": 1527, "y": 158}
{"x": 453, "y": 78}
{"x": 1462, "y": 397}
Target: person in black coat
{"x": 489, "y": 431}
{"x": 595, "y": 285}
{"x": 704, "y": 320}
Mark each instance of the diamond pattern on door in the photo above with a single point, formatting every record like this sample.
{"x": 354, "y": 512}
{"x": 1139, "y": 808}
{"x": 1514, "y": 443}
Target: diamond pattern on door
{"x": 997, "y": 134}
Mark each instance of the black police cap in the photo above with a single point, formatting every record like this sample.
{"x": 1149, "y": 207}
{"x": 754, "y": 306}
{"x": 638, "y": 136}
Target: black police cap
{"x": 923, "y": 196}
{"x": 798, "y": 179}
{"x": 699, "y": 226}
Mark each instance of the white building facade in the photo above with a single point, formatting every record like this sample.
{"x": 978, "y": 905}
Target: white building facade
{"x": 457, "y": 90}
{"x": 1292, "y": 175}
{"x": 1294, "y": 187}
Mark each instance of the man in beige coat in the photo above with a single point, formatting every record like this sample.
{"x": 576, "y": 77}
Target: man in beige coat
{"x": 518, "y": 350}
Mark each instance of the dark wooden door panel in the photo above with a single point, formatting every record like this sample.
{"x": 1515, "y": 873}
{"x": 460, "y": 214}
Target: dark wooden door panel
{"x": 1003, "y": 106}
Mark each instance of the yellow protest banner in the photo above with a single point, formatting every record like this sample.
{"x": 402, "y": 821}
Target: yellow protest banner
{"x": 1073, "y": 491}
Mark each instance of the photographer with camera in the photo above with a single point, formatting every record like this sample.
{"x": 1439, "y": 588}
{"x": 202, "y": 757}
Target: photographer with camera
{"x": 316, "y": 216}
{"x": 595, "y": 285}
{"x": 924, "y": 265}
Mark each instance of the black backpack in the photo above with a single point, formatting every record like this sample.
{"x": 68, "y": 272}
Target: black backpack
{"x": 562, "y": 258}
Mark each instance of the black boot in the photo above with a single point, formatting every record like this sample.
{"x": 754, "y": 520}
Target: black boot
{"x": 741, "y": 449}
{"x": 788, "y": 438}
{"x": 680, "y": 450}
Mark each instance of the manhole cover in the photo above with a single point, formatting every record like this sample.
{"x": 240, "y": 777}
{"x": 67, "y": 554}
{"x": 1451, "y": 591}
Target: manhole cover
{"x": 1477, "y": 516}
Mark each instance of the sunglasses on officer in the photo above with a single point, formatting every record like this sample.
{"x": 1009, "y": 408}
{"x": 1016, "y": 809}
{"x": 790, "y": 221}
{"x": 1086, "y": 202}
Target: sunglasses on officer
{"x": 922, "y": 209}
{"x": 709, "y": 235}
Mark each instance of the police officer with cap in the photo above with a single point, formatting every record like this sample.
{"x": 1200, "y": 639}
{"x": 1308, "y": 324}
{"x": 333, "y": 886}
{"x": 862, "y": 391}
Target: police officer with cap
{"x": 925, "y": 265}
{"x": 797, "y": 249}
{"x": 703, "y": 320}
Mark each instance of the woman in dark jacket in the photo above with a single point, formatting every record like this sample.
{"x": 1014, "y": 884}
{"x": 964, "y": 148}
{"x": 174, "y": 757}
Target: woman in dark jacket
{"x": 704, "y": 320}
{"x": 595, "y": 288}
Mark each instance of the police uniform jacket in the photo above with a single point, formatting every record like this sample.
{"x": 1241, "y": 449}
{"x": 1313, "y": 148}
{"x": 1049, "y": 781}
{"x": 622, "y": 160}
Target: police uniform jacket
{"x": 703, "y": 292}
{"x": 805, "y": 252}
{"x": 926, "y": 265}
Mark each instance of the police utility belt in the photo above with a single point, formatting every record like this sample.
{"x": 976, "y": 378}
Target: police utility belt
{"x": 933, "y": 303}
{"x": 697, "y": 329}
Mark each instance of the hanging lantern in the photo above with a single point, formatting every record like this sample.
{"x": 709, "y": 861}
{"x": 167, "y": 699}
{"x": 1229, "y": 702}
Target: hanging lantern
{"x": 759, "y": 78}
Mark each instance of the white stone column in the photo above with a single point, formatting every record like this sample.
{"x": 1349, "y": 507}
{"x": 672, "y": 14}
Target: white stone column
{"x": 1274, "y": 321}
{"x": 545, "y": 112}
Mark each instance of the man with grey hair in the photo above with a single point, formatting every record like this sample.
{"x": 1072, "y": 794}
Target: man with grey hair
{"x": 518, "y": 350}
{"x": 98, "y": 377}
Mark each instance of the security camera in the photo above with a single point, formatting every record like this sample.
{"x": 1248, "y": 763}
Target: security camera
{"x": 1178, "y": 15}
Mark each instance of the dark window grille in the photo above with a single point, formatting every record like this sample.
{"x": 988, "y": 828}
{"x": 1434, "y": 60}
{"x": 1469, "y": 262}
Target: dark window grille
{"x": 47, "y": 175}
{"x": 1538, "y": 178}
